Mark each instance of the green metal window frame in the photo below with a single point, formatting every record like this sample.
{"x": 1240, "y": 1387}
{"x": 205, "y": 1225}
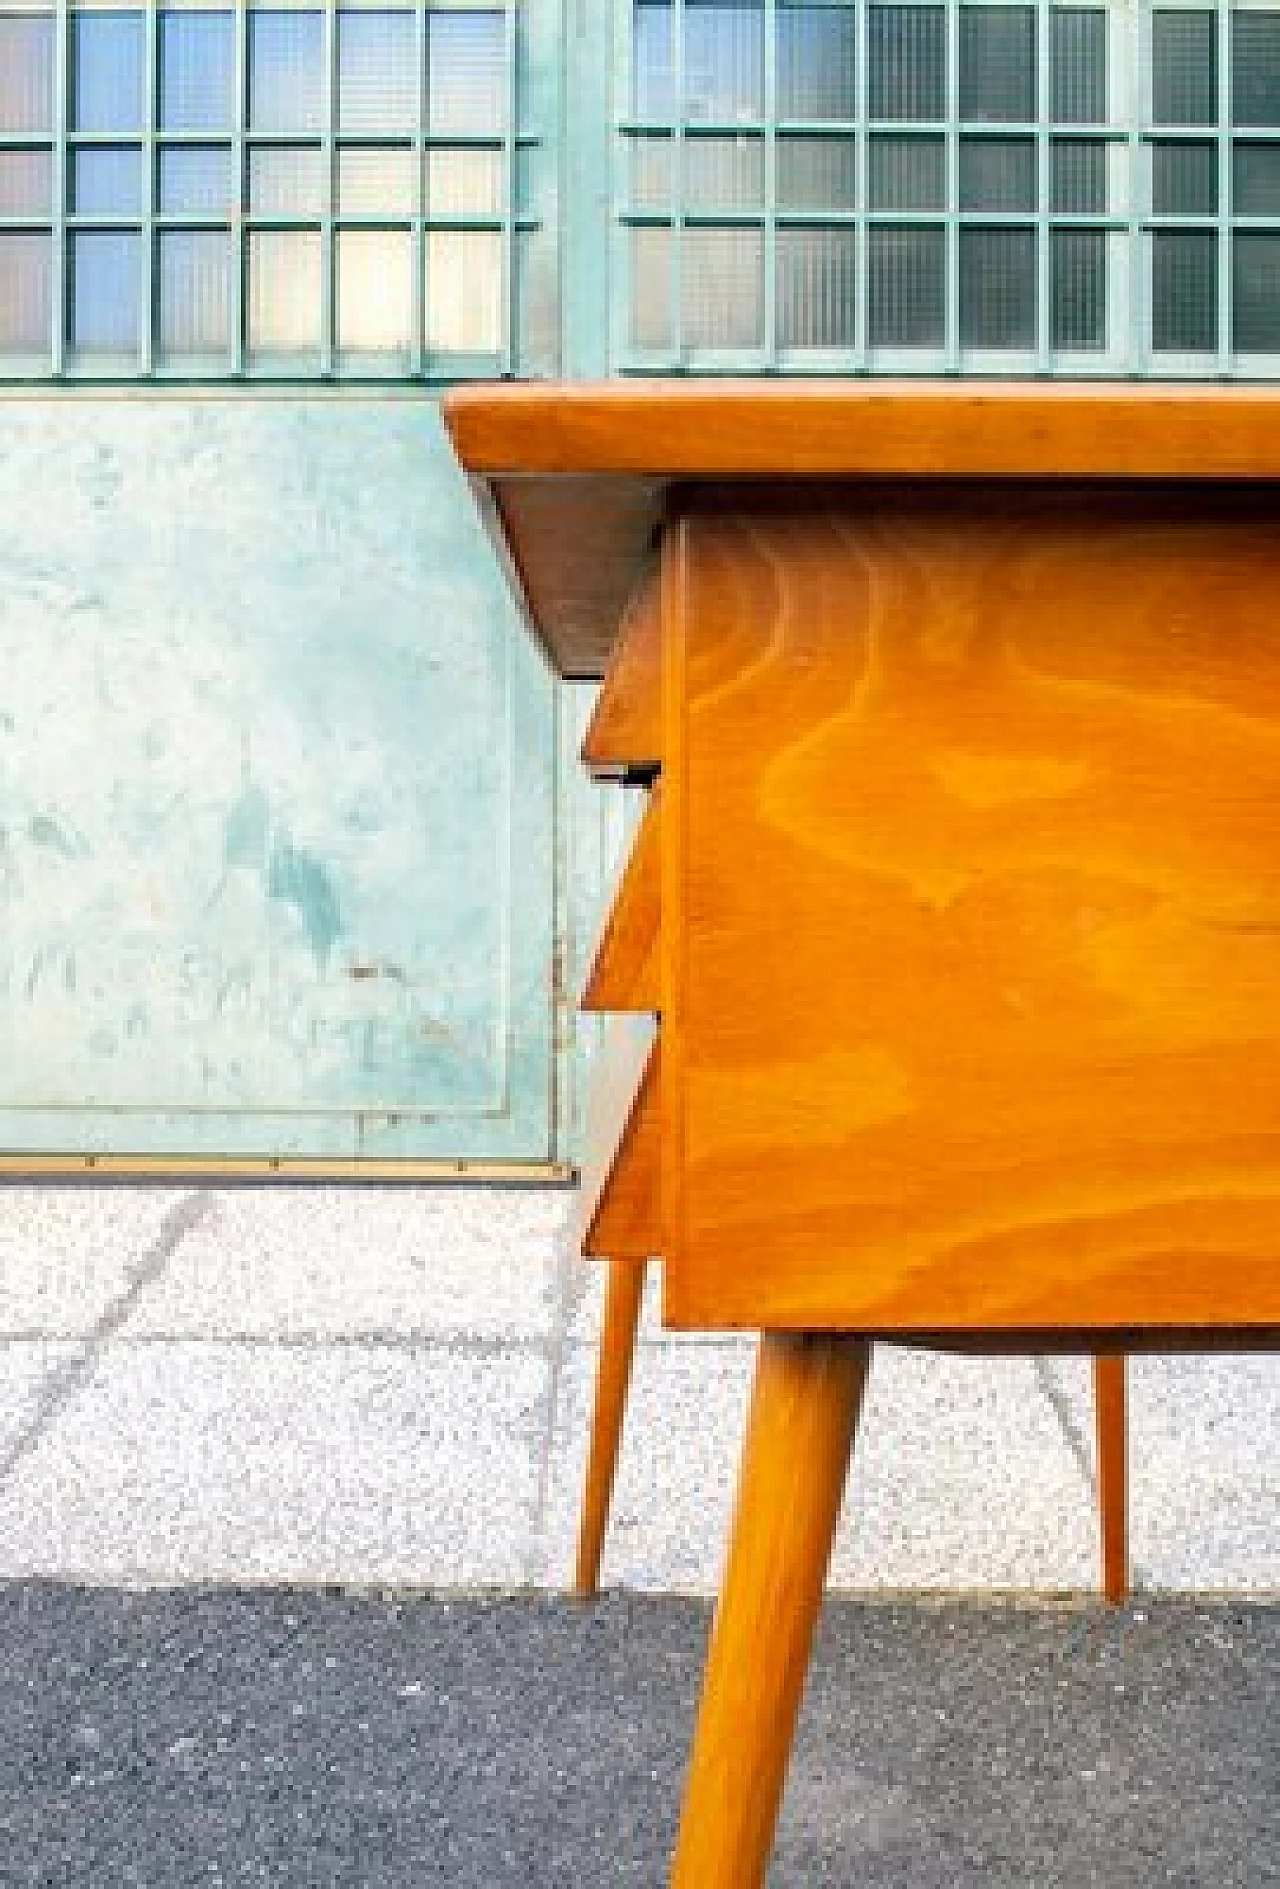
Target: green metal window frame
{"x": 515, "y": 223}
{"x": 1133, "y": 231}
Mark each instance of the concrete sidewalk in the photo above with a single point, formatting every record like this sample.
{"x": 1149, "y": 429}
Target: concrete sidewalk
{"x": 393, "y": 1387}
{"x": 328, "y": 1740}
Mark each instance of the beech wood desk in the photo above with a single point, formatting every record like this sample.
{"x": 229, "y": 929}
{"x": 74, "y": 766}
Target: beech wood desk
{"x": 966, "y": 702}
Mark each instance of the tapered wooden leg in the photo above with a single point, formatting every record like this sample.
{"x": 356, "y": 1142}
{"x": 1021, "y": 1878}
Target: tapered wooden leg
{"x": 1113, "y": 1478}
{"x": 624, "y": 1291}
{"x": 804, "y": 1409}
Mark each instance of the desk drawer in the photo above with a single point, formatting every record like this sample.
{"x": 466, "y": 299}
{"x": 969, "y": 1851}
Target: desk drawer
{"x": 618, "y": 1213}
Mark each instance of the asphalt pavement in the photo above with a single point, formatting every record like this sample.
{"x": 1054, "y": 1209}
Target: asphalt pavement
{"x": 312, "y": 1737}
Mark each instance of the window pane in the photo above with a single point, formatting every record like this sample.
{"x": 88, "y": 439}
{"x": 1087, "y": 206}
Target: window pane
{"x": 724, "y": 173}
{"x": 196, "y": 178}
{"x": 651, "y": 328}
{"x": 724, "y": 59}
{"x": 908, "y": 173}
{"x": 1255, "y": 189}
{"x": 1184, "y": 290}
{"x": 997, "y": 63}
{"x": 997, "y": 174}
{"x": 105, "y": 303}
{"x": 997, "y": 288}
{"x": 286, "y": 180}
{"x": 26, "y": 291}
{"x": 817, "y": 173}
{"x": 108, "y": 72}
{"x": 652, "y": 94}
{"x": 1184, "y": 179}
{"x": 908, "y": 55}
{"x": 465, "y": 182}
{"x": 26, "y": 73}
{"x": 651, "y": 174}
{"x": 26, "y": 183}
{"x": 1079, "y": 270}
{"x": 377, "y": 72}
{"x": 194, "y": 271}
{"x": 817, "y": 288}
{"x": 377, "y": 181}
{"x": 817, "y": 50}
{"x": 1255, "y": 68}
{"x": 1079, "y": 173}
{"x": 284, "y": 292}
{"x": 1078, "y": 65}
{"x": 1255, "y": 274}
{"x": 107, "y": 182}
{"x": 722, "y": 283}
{"x": 466, "y": 74}
{"x": 197, "y": 71}
{"x": 1184, "y": 49}
{"x": 375, "y": 291}
{"x": 906, "y": 287}
{"x": 286, "y": 71}
{"x": 464, "y": 292}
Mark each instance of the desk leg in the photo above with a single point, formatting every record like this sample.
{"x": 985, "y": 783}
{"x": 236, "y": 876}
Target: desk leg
{"x": 1111, "y": 1420}
{"x": 804, "y": 1409}
{"x": 624, "y": 1291}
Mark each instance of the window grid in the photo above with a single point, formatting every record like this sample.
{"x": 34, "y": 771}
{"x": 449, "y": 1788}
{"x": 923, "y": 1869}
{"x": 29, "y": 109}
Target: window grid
{"x": 429, "y": 291}
{"x": 1007, "y": 214}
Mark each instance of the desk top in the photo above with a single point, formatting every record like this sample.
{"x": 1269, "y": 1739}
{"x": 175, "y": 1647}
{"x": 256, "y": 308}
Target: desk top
{"x": 574, "y": 476}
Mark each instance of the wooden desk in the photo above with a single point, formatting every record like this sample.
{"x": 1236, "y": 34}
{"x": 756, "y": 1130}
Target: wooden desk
{"x": 966, "y": 701}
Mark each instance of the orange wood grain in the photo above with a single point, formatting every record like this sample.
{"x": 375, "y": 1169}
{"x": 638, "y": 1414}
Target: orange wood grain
{"x": 625, "y": 972}
{"x": 971, "y": 892}
{"x": 1112, "y": 1430}
{"x": 624, "y": 1295}
{"x": 625, "y": 733}
{"x": 804, "y": 1410}
{"x": 618, "y": 1211}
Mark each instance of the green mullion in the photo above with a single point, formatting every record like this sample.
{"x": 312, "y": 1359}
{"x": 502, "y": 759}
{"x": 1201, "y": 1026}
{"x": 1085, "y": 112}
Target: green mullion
{"x": 147, "y": 288}
{"x": 328, "y": 243}
{"x": 676, "y": 277}
{"x": 419, "y": 239}
{"x": 59, "y": 280}
{"x": 861, "y": 189}
{"x": 1044, "y": 231}
{"x": 770, "y": 285}
{"x": 509, "y": 267}
{"x": 951, "y": 305}
{"x": 237, "y": 235}
{"x": 1226, "y": 286}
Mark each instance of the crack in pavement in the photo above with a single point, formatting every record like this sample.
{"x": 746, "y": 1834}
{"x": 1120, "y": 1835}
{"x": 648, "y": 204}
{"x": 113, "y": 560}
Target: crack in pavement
{"x": 61, "y": 1384}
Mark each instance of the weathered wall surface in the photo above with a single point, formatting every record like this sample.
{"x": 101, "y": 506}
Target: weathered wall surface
{"x": 277, "y": 776}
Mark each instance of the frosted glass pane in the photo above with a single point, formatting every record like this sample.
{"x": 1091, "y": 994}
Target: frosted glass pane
{"x": 196, "y": 178}
{"x": 1184, "y": 82}
{"x": 1255, "y": 189}
{"x": 997, "y": 174}
{"x": 722, "y": 288}
{"x": 724, "y": 59}
{"x": 651, "y": 325}
{"x": 1255, "y": 68}
{"x": 817, "y": 49}
{"x": 465, "y": 182}
{"x": 997, "y": 288}
{"x": 997, "y": 63}
{"x": 466, "y": 74}
{"x": 375, "y": 291}
{"x": 284, "y": 292}
{"x": 907, "y": 48}
{"x": 465, "y": 292}
{"x": 723, "y": 173}
{"x": 1184, "y": 178}
{"x": 107, "y": 182}
{"x": 26, "y": 73}
{"x": 197, "y": 71}
{"x": 652, "y": 82}
{"x": 908, "y": 173}
{"x": 286, "y": 71}
{"x": 817, "y": 173}
{"x": 108, "y": 72}
{"x": 194, "y": 284}
{"x": 1255, "y": 282}
{"x": 1184, "y": 290}
{"x": 26, "y": 290}
{"x": 906, "y": 287}
{"x": 1078, "y": 168}
{"x": 1079, "y": 289}
{"x": 287, "y": 180}
{"x": 817, "y": 288}
{"x": 651, "y": 173}
{"x": 1078, "y": 65}
{"x": 377, "y": 72}
{"x": 105, "y": 302}
{"x": 26, "y": 183}
{"x": 377, "y": 180}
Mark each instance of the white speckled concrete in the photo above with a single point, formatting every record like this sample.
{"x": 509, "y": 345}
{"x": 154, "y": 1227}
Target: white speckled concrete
{"x": 394, "y": 1386}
